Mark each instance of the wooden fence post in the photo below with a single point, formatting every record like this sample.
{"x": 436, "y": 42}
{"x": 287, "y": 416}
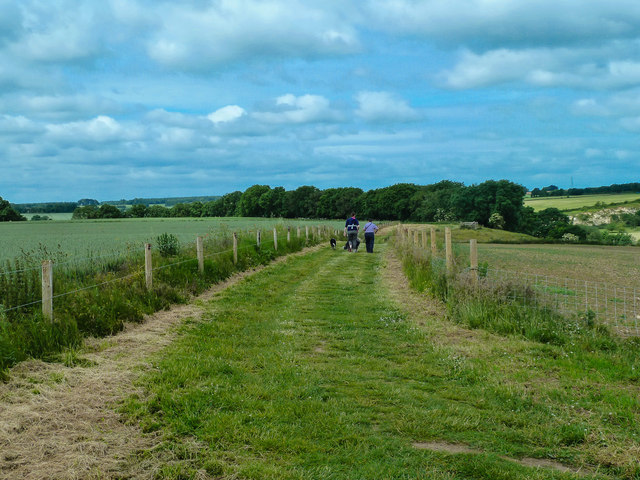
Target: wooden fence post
{"x": 200, "y": 253}
{"x": 258, "y": 238}
{"x": 47, "y": 289}
{"x": 148, "y": 266}
{"x": 275, "y": 238}
{"x": 449, "y": 253}
{"x": 235, "y": 248}
{"x": 306, "y": 232}
{"x": 473, "y": 255}
{"x": 288, "y": 235}
{"x": 424, "y": 239}
{"x": 298, "y": 231}
{"x": 434, "y": 247}
{"x": 415, "y": 238}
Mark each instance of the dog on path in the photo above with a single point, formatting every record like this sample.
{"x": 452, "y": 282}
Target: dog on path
{"x": 333, "y": 243}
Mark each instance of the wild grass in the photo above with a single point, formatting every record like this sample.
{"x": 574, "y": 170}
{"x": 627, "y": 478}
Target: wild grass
{"x": 98, "y": 298}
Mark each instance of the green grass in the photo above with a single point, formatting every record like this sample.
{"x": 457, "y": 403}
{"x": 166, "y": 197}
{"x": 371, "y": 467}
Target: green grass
{"x": 82, "y": 238}
{"x": 579, "y": 202}
{"x": 308, "y": 370}
{"x": 615, "y": 265}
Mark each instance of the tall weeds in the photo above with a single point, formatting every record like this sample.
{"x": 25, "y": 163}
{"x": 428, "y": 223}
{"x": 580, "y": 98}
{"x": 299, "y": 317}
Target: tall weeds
{"x": 99, "y": 296}
{"x": 505, "y": 308}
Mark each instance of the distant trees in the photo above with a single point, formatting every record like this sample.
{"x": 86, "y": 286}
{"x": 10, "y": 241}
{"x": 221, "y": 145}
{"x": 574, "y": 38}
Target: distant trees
{"x": 93, "y": 212}
{"x": 8, "y": 214}
{"x": 554, "y": 191}
{"x": 49, "y": 207}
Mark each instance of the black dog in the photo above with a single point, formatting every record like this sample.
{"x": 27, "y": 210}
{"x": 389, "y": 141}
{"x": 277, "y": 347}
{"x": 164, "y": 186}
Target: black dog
{"x": 333, "y": 243}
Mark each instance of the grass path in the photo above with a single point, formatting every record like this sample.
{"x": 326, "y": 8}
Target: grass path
{"x": 314, "y": 369}
{"x": 320, "y": 366}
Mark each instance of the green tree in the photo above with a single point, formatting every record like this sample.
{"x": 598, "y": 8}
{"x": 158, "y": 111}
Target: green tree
{"x": 158, "y": 211}
{"x": 272, "y": 202}
{"x": 139, "y": 210}
{"x": 109, "y": 211}
{"x": 249, "y": 204}
{"x": 8, "y": 214}
{"x": 83, "y": 213}
{"x": 302, "y": 202}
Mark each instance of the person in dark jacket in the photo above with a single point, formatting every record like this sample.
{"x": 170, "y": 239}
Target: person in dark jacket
{"x": 351, "y": 228}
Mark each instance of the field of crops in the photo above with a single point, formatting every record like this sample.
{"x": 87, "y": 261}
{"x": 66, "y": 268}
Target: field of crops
{"x": 580, "y": 201}
{"x": 99, "y": 237}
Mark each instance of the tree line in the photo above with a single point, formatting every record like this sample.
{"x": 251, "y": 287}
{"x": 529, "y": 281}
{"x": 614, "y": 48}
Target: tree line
{"x": 496, "y": 204}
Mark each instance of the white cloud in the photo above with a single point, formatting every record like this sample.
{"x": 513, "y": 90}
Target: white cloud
{"x": 595, "y": 68}
{"x": 200, "y": 36}
{"x": 303, "y": 109}
{"x": 631, "y": 123}
{"x": 229, "y": 113}
{"x": 61, "y": 31}
{"x": 10, "y": 124}
{"x": 102, "y": 129}
{"x": 384, "y": 107}
{"x": 508, "y": 22}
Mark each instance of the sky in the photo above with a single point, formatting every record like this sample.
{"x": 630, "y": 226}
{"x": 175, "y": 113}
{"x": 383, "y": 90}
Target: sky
{"x": 119, "y": 99}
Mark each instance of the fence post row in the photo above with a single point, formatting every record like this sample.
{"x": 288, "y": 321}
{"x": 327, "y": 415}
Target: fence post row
{"x": 200, "y": 253}
{"x": 148, "y": 266}
{"x": 47, "y": 289}
{"x": 47, "y": 265}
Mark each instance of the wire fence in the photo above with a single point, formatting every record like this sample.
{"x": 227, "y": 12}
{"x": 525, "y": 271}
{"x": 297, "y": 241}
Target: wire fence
{"x": 95, "y": 264}
{"x": 614, "y": 305}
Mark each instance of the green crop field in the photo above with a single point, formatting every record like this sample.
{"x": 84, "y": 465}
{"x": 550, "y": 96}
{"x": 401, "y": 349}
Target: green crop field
{"x": 580, "y": 201}
{"x": 98, "y": 237}
{"x": 52, "y": 216}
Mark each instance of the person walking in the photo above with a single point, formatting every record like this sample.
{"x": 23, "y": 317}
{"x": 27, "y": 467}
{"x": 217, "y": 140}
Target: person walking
{"x": 370, "y": 230}
{"x": 351, "y": 227}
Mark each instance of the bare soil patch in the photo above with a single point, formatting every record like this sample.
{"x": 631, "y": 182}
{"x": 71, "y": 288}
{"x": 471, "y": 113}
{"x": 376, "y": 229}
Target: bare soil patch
{"x": 59, "y": 422}
{"x": 457, "y": 448}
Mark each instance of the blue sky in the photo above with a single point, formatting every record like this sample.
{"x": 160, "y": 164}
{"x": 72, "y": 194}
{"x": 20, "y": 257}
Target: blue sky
{"x": 147, "y": 98}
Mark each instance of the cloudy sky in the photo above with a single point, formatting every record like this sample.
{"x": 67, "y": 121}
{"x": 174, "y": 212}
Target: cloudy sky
{"x": 138, "y": 98}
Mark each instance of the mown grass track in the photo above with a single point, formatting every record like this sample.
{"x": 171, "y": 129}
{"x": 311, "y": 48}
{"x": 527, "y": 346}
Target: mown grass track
{"x": 308, "y": 370}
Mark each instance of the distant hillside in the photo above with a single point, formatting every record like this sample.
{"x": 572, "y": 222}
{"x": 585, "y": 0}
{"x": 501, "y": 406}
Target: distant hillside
{"x": 69, "y": 207}
{"x": 166, "y": 201}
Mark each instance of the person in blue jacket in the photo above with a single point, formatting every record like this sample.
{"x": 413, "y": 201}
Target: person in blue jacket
{"x": 351, "y": 228}
{"x": 370, "y": 230}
